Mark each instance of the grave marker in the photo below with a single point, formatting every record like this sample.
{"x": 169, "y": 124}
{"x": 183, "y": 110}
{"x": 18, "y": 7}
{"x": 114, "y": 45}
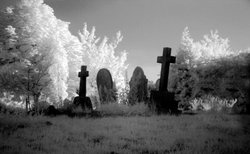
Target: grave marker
{"x": 83, "y": 76}
{"x": 82, "y": 100}
{"x": 138, "y": 87}
{"x": 165, "y": 60}
{"x": 162, "y": 99}
{"x": 105, "y": 86}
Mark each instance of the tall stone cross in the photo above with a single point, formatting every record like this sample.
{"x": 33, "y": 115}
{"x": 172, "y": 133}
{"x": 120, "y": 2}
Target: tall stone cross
{"x": 165, "y": 59}
{"x": 83, "y": 75}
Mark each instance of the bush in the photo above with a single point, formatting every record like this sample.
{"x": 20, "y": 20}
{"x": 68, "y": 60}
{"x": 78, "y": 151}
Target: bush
{"x": 227, "y": 77}
{"x": 212, "y": 103}
{"x": 66, "y": 107}
{"x": 5, "y": 109}
{"x": 39, "y": 108}
{"x": 71, "y": 109}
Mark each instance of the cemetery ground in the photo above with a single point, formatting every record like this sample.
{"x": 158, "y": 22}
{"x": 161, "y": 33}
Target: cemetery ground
{"x": 123, "y": 132}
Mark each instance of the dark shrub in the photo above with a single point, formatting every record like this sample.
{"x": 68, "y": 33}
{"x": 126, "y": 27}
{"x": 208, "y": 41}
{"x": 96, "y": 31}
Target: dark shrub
{"x": 226, "y": 78}
{"x": 67, "y": 107}
{"x": 51, "y": 111}
{"x": 39, "y": 108}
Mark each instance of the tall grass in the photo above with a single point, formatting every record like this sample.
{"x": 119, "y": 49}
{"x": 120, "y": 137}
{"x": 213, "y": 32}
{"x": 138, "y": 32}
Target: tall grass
{"x": 201, "y": 133}
{"x": 115, "y": 109}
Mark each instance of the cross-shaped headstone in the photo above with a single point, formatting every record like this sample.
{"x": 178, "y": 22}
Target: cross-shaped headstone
{"x": 165, "y": 59}
{"x": 83, "y": 75}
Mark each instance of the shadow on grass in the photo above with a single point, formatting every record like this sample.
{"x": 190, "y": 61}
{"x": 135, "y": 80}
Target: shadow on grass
{"x": 189, "y": 113}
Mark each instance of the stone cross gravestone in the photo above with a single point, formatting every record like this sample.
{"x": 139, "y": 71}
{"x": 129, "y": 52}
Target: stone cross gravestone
{"x": 162, "y": 99}
{"x": 138, "y": 87}
{"x": 82, "y": 100}
{"x": 165, "y": 60}
{"x": 83, "y": 77}
{"x": 105, "y": 86}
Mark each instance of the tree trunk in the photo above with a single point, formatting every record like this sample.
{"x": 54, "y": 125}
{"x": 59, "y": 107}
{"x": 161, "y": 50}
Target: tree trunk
{"x": 28, "y": 97}
{"x": 36, "y": 99}
{"x": 27, "y": 103}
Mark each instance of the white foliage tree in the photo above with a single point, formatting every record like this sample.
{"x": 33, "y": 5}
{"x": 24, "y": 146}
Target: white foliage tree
{"x": 210, "y": 66}
{"x": 25, "y": 67}
{"x": 212, "y": 47}
{"x": 33, "y": 23}
{"x": 75, "y": 60}
{"x": 103, "y": 55}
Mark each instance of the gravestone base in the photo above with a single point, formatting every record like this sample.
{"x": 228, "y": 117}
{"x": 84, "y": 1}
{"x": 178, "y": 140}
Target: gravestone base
{"x": 84, "y": 102}
{"x": 163, "y": 102}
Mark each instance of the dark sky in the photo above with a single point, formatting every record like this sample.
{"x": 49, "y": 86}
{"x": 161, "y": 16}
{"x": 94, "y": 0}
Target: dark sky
{"x": 150, "y": 25}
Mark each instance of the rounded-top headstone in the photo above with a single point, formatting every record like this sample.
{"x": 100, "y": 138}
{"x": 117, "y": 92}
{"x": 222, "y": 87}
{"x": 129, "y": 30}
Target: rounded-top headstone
{"x": 138, "y": 86}
{"x": 105, "y": 85}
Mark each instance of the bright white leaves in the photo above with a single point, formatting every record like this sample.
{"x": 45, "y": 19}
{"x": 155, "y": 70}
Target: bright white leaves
{"x": 103, "y": 55}
{"x": 212, "y": 47}
{"x": 34, "y": 23}
{"x": 31, "y": 22}
{"x": 51, "y": 35}
{"x": 11, "y": 30}
{"x": 75, "y": 60}
{"x": 9, "y": 10}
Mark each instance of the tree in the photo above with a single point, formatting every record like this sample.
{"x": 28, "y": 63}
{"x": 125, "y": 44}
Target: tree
{"x": 38, "y": 49}
{"x": 102, "y": 55}
{"x": 210, "y": 66}
{"x": 212, "y": 47}
{"x": 22, "y": 62}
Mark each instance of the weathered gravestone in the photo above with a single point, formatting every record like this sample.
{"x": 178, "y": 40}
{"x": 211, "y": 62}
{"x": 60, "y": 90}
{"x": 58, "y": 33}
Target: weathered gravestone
{"x": 138, "y": 87}
{"x": 162, "y": 99}
{"x": 105, "y": 86}
{"x": 82, "y": 100}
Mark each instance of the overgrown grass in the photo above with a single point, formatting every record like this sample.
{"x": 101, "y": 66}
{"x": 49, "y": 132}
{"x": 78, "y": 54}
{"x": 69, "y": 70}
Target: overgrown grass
{"x": 201, "y": 133}
{"x": 115, "y": 109}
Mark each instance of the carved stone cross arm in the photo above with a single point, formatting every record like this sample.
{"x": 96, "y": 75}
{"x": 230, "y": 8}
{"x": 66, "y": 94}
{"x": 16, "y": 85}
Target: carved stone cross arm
{"x": 165, "y": 60}
{"x": 166, "y": 57}
{"x": 84, "y": 72}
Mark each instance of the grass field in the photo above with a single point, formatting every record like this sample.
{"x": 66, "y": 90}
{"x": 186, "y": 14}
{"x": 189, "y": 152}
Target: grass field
{"x": 200, "y": 133}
